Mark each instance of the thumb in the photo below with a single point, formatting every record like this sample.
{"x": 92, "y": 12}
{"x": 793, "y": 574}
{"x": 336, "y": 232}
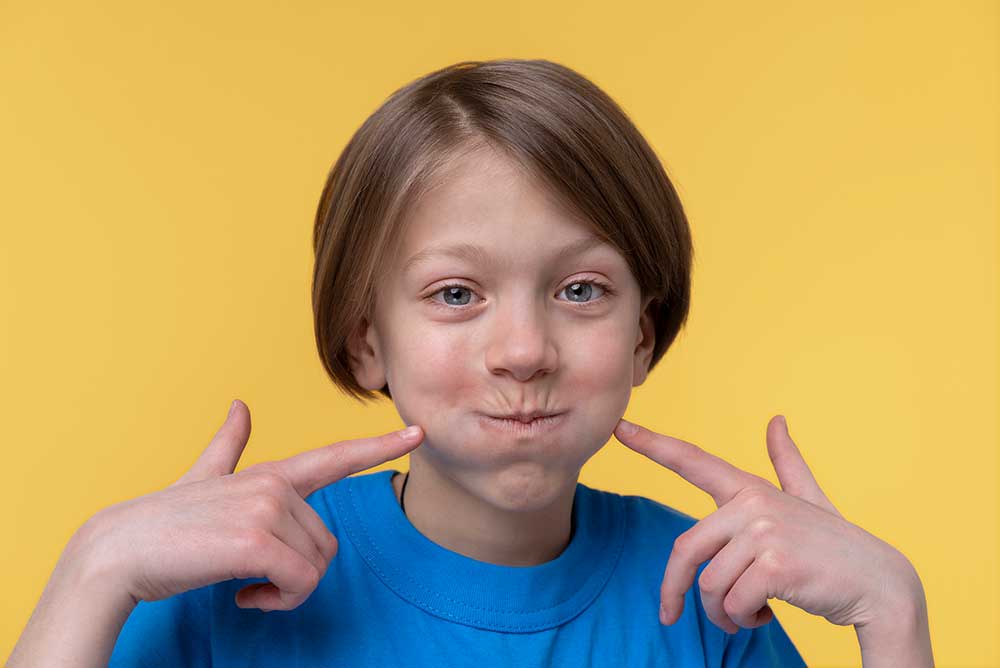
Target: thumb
{"x": 794, "y": 474}
{"x": 226, "y": 447}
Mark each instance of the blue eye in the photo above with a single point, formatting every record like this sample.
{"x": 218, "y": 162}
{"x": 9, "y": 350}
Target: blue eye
{"x": 458, "y": 296}
{"x": 582, "y": 289}
{"x": 455, "y": 292}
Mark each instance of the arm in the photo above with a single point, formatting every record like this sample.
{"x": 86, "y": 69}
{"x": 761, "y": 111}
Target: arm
{"x": 799, "y": 548}
{"x": 234, "y": 526}
{"x": 79, "y": 615}
{"x": 900, "y": 636}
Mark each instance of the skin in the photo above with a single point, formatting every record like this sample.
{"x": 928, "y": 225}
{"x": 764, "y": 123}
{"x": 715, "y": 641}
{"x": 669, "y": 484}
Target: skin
{"x": 519, "y": 341}
{"x": 791, "y": 544}
{"x": 514, "y": 339}
{"x": 209, "y": 526}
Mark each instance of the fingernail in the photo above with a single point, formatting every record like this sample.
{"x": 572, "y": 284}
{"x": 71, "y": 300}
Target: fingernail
{"x": 232, "y": 407}
{"x": 627, "y": 428}
{"x": 663, "y": 615}
{"x": 410, "y": 431}
{"x": 784, "y": 421}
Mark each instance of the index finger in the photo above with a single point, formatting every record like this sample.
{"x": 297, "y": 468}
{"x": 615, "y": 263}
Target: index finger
{"x": 317, "y": 468}
{"x": 713, "y": 474}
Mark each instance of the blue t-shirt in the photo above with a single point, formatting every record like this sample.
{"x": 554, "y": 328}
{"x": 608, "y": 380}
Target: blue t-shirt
{"x": 393, "y": 597}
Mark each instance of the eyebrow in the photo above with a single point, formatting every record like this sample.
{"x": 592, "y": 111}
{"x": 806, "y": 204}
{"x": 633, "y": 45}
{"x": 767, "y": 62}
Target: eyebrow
{"x": 478, "y": 255}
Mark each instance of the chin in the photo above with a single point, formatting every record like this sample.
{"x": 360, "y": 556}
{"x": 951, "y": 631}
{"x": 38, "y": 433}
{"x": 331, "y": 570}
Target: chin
{"x": 525, "y": 487}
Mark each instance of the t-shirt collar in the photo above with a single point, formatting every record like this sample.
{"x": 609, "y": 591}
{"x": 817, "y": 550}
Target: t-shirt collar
{"x": 517, "y": 599}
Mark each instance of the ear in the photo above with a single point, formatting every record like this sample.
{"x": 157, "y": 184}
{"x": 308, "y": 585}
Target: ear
{"x": 365, "y": 354}
{"x": 645, "y": 341}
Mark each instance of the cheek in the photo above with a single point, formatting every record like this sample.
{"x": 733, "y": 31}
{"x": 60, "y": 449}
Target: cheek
{"x": 437, "y": 375}
{"x": 440, "y": 362}
{"x": 597, "y": 366}
{"x": 431, "y": 371}
{"x": 601, "y": 352}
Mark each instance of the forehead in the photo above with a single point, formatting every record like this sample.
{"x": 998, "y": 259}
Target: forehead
{"x": 487, "y": 199}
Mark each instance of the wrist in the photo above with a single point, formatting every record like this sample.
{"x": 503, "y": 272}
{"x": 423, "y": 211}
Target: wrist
{"x": 899, "y": 632}
{"x": 93, "y": 565}
{"x": 79, "y": 614}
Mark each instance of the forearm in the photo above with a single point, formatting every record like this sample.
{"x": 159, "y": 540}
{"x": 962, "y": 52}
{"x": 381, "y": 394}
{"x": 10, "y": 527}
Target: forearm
{"x": 901, "y": 636}
{"x": 78, "y": 617}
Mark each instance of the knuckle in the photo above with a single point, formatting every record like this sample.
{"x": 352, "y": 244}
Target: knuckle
{"x": 731, "y": 607}
{"x": 313, "y": 576}
{"x": 772, "y": 562}
{"x": 763, "y": 527}
{"x": 717, "y": 616}
{"x": 317, "y": 559}
{"x": 336, "y": 453}
{"x": 255, "y": 541}
{"x": 251, "y": 545}
{"x": 754, "y": 499}
{"x": 331, "y": 545}
{"x": 684, "y": 544}
{"x": 267, "y": 509}
{"x": 707, "y": 583}
{"x": 764, "y": 482}
{"x": 270, "y": 482}
{"x": 255, "y": 470}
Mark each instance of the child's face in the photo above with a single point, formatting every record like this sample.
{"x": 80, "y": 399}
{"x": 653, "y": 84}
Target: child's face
{"x": 525, "y": 330}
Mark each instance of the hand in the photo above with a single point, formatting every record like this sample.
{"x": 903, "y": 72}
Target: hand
{"x": 791, "y": 544}
{"x": 212, "y": 525}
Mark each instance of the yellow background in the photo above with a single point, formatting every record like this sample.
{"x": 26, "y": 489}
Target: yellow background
{"x": 161, "y": 164}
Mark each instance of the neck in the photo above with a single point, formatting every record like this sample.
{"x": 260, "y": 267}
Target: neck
{"x": 453, "y": 517}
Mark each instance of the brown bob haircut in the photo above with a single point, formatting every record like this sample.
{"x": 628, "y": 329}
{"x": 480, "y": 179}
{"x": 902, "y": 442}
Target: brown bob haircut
{"x": 568, "y": 135}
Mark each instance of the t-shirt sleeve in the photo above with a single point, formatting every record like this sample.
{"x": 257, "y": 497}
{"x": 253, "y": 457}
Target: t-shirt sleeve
{"x": 766, "y": 646}
{"x": 172, "y": 632}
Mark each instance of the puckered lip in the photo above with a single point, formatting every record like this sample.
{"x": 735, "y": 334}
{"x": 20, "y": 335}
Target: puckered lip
{"x": 525, "y": 416}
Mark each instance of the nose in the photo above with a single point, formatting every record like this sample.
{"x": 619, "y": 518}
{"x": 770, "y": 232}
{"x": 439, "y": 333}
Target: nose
{"x": 522, "y": 344}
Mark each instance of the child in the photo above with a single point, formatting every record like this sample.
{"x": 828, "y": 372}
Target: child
{"x": 500, "y": 253}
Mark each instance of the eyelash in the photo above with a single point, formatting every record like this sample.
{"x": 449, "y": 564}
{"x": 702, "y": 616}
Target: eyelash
{"x": 606, "y": 292}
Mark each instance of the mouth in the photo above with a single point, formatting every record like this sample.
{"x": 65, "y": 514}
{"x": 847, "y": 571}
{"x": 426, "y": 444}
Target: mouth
{"x": 523, "y": 424}
{"x": 526, "y": 416}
